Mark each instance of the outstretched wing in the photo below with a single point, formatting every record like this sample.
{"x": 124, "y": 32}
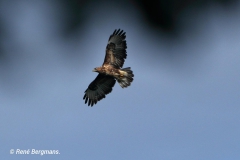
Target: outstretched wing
{"x": 97, "y": 90}
{"x": 116, "y": 49}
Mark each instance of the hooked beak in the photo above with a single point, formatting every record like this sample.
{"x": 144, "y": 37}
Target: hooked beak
{"x": 94, "y": 70}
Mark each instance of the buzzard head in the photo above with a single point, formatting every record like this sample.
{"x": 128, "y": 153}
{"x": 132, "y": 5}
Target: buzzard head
{"x": 97, "y": 69}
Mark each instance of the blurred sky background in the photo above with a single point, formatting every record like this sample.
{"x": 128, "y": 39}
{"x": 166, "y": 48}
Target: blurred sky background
{"x": 184, "y": 102}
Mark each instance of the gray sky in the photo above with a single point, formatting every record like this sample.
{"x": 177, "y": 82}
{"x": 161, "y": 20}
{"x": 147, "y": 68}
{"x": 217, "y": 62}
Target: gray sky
{"x": 183, "y": 103}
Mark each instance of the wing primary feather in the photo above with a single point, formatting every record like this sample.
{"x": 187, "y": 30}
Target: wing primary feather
{"x": 120, "y": 32}
{"x": 86, "y": 100}
{"x": 117, "y": 32}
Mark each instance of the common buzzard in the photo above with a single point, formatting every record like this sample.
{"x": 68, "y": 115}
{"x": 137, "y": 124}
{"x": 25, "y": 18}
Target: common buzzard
{"x": 111, "y": 70}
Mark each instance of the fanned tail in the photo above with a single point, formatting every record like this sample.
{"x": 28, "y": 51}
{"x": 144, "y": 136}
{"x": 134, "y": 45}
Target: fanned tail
{"x": 127, "y": 78}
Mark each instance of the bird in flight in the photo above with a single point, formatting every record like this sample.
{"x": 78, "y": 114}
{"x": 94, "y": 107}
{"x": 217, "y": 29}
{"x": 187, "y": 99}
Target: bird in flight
{"x": 111, "y": 70}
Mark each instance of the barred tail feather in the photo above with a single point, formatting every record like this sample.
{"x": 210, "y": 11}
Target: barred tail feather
{"x": 127, "y": 78}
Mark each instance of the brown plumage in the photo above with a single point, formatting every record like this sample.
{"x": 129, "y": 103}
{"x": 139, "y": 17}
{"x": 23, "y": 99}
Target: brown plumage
{"x": 111, "y": 70}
